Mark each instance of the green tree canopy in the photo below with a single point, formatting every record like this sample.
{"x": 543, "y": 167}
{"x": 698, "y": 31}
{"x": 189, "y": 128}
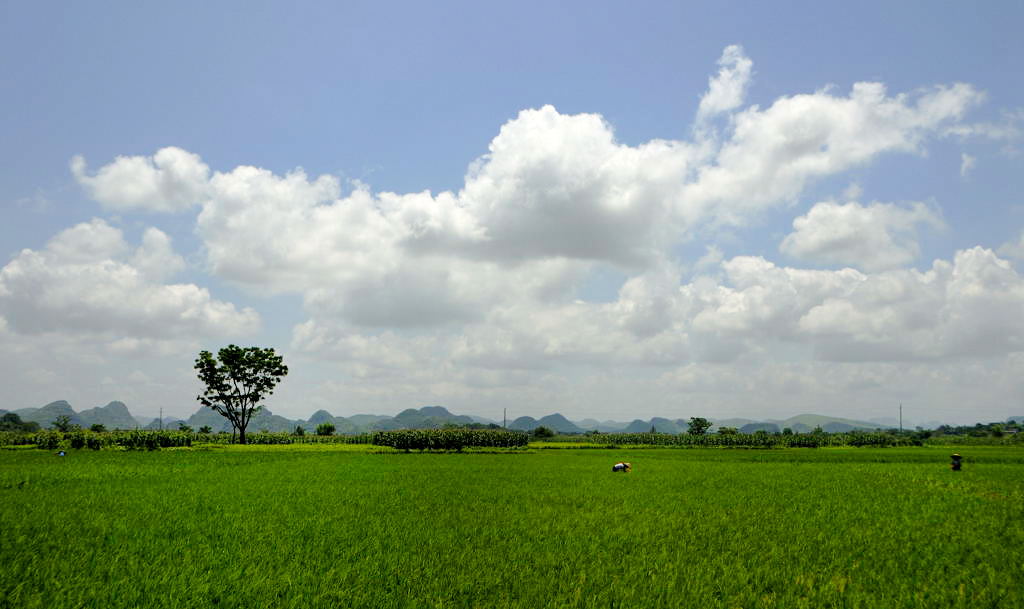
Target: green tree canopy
{"x": 698, "y": 426}
{"x": 62, "y": 423}
{"x": 237, "y": 380}
{"x": 12, "y": 422}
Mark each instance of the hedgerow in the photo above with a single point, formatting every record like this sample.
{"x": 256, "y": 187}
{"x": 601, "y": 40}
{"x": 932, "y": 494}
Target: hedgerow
{"x": 449, "y": 439}
{"x": 156, "y": 439}
{"x": 742, "y": 440}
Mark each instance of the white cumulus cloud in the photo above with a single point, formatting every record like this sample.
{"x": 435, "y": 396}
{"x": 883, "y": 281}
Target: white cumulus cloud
{"x": 870, "y": 237}
{"x": 89, "y": 280}
{"x": 774, "y": 153}
{"x": 728, "y": 88}
{"x": 171, "y": 180}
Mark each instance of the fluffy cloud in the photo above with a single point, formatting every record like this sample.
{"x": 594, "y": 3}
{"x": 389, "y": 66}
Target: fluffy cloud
{"x": 726, "y": 90}
{"x": 790, "y": 336}
{"x": 555, "y": 195}
{"x": 170, "y": 180}
{"x": 965, "y": 308}
{"x": 88, "y": 280}
{"x": 774, "y": 153}
{"x": 873, "y": 237}
{"x": 477, "y": 291}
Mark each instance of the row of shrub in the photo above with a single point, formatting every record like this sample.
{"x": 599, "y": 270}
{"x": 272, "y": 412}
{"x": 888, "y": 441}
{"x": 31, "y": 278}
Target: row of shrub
{"x": 969, "y": 440}
{"x": 743, "y": 440}
{"x": 449, "y": 439}
{"x": 152, "y": 440}
{"x": 275, "y": 437}
{"x": 133, "y": 440}
{"x": 457, "y": 439}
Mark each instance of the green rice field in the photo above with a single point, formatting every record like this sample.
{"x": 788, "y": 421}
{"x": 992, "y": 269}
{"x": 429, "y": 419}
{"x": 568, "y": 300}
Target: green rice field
{"x": 354, "y": 526}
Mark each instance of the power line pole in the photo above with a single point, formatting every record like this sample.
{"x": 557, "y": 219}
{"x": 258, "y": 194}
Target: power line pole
{"x": 901, "y": 417}
{"x": 161, "y": 418}
{"x": 504, "y": 417}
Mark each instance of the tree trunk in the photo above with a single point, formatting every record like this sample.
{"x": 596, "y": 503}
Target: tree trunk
{"x": 241, "y": 435}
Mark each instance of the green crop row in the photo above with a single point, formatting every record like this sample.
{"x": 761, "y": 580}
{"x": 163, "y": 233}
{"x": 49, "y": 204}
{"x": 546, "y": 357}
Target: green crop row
{"x": 742, "y": 440}
{"x": 449, "y": 439}
{"x": 152, "y": 440}
{"x": 52, "y": 440}
{"x": 890, "y": 528}
{"x": 266, "y": 437}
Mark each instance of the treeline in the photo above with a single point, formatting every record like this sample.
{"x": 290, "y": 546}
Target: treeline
{"x": 152, "y": 440}
{"x": 997, "y": 429}
{"x": 10, "y": 421}
{"x": 421, "y": 439}
{"x": 877, "y": 439}
{"x": 458, "y": 438}
{"x": 449, "y": 439}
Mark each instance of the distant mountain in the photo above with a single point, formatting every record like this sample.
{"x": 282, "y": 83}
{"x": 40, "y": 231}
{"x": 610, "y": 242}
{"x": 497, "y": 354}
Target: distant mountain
{"x": 428, "y": 417}
{"x": 169, "y": 423}
{"x": 437, "y": 411}
{"x": 601, "y": 426}
{"x": 756, "y": 427}
{"x": 321, "y": 416}
{"x": 814, "y": 420}
{"x": 265, "y": 420}
{"x": 341, "y": 424}
{"x": 658, "y": 424}
{"x": 559, "y": 423}
{"x": 207, "y": 417}
{"x": 524, "y": 424}
{"x": 46, "y": 415}
{"x": 114, "y": 415}
{"x": 1013, "y": 419}
{"x": 637, "y": 426}
{"x": 666, "y": 426}
{"x": 364, "y": 422}
{"x": 734, "y": 422}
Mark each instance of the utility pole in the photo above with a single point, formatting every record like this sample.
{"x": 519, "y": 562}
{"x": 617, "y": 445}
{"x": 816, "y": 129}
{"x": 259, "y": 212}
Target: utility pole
{"x": 504, "y": 417}
{"x": 161, "y": 418}
{"x": 901, "y": 417}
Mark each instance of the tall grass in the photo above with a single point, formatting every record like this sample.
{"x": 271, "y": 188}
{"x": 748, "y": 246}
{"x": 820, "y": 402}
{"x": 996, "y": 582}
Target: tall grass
{"x": 284, "y": 527}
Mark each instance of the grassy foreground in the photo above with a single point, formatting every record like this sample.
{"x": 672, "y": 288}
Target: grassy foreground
{"x": 279, "y": 527}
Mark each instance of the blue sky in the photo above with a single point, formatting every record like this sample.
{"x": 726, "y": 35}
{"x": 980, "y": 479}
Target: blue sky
{"x": 403, "y": 97}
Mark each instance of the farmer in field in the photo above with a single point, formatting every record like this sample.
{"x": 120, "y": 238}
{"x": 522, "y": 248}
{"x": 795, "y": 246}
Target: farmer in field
{"x": 955, "y": 465}
{"x": 622, "y": 467}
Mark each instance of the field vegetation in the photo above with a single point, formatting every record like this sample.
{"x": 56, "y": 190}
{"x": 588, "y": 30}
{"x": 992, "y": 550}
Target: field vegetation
{"x": 336, "y": 525}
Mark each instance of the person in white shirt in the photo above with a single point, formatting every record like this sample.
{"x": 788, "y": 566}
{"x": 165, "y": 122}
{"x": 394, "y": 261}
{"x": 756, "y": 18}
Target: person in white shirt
{"x": 622, "y": 467}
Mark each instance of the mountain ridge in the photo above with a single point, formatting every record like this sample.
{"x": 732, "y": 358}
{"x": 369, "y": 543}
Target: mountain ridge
{"x": 116, "y": 415}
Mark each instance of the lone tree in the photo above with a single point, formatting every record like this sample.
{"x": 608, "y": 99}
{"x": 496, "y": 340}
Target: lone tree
{"x": 698, "y": 426}
{"x": 63, "y": 423}
{"x": 237, "y": 383}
